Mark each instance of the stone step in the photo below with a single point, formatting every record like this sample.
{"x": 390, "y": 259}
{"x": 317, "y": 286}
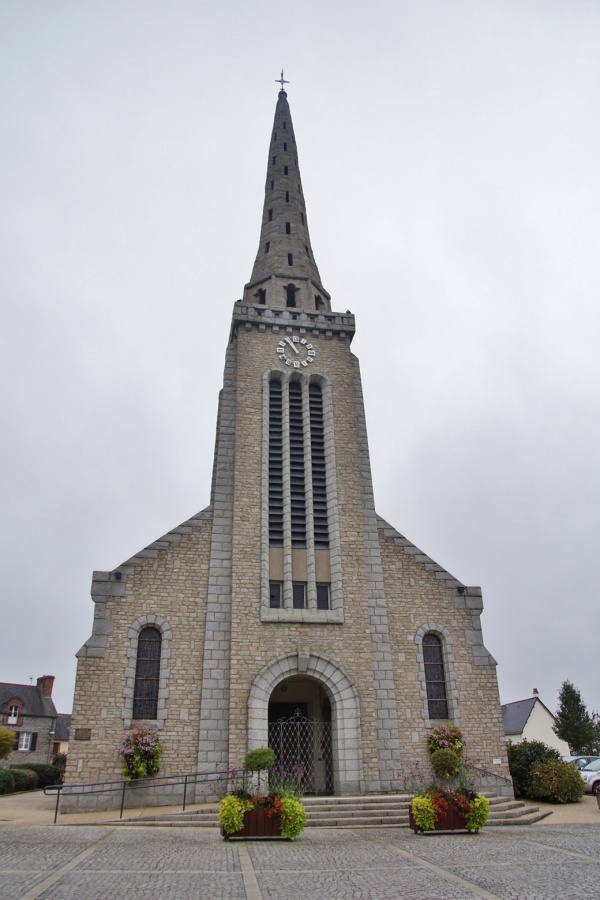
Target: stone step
{"x": 349, "y": 812}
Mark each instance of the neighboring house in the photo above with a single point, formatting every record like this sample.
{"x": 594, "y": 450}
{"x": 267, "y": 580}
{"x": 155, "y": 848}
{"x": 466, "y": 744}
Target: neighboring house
{"x": 29, "y": 712}
{"x": 531, "y": 720}
{"x": 61, "y": 736}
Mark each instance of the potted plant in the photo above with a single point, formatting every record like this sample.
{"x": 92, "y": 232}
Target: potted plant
{"x": 447, "y": 804}
{"x": 276, "y": 814}
{"x": 141, "y": 751}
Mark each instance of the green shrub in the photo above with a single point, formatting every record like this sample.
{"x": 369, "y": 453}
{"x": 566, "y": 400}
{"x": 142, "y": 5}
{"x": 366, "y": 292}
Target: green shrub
{"x": 293, "y": 817}
{"x": 423, "y": 812}
{"x": 26, "y": 779}
{"x": 480, "y": 814}
{"x": 521, "y": 760}
{"x": 60, "y": 761}
{"x": 7, "y": 782}
{"x": 46, "y": 774}
{"x": 445, "y": 763}
{"x": 556, "y": 782}
{"x": 260, "y": 759}
{"x": 231, "y": 813}
{"x": 8, "y": 740}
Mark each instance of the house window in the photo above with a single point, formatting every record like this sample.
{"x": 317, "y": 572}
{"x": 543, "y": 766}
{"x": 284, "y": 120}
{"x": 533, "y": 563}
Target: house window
{"x": 435, "y": 678}
{"x": 275, "y": 594}
{"x": 13, "y": 715}
{"x": 299, "y": 595}
{"x": 322, "y": 596}
{"x": 27, "y": 740}
{"x": 147, "y": 674}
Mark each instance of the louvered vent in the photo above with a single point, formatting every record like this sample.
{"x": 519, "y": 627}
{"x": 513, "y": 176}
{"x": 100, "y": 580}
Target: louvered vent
{"x": 319, "y": 480}
{"x": 275, "y": 465}
{"x": 297, "y": 485}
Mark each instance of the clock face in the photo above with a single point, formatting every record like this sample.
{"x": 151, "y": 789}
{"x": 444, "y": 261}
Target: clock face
{"x": 296, "y": 352}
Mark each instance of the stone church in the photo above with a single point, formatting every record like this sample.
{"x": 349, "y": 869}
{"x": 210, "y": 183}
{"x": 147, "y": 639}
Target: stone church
{"x": 287, "y": 607}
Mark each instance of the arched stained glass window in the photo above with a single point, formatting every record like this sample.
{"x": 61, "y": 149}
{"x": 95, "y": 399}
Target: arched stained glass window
{"x": 147, "y": 674}
{"x": 435, "y": 677}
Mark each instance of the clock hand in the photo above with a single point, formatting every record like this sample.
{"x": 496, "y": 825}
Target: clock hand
{"x": 292, "y": 345}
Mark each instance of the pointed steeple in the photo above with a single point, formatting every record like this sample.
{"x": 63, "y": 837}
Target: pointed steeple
{"x": 285, "y": 272}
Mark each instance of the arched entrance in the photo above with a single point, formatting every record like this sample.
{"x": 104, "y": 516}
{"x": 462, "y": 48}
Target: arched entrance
{"x": 297, "y": 670}
{"x": 300, "y": 734}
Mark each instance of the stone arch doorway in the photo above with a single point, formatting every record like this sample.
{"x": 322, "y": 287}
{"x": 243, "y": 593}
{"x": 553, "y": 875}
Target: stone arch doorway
{"x": 296, "y": 670}
{"x": 300, "y": 733}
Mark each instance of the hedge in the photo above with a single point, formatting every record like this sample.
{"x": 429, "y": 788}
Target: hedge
{"x": 7, "y": 782}
{"x": 25, "y": 779}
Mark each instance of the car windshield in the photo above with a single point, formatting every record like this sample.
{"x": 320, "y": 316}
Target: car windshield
{"x": 593, "y": 766}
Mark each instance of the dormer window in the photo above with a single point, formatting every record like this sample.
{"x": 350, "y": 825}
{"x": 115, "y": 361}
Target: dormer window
{"x": 13, "y": 715}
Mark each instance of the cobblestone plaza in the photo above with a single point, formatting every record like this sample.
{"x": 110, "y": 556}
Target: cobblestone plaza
{"x": 85, "y": 863}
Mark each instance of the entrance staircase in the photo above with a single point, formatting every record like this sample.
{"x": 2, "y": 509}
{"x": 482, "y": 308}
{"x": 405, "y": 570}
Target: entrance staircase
{"x": 348, "y": 812}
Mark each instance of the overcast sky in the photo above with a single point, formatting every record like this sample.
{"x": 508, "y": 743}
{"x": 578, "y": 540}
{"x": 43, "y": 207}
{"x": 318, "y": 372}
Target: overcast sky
{"x": 450, "y": 156}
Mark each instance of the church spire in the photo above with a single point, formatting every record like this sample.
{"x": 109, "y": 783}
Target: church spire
{"x": 285, "y": 272}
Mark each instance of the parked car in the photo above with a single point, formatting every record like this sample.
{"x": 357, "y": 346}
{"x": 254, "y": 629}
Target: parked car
{"x": 580, "y": 761}
{"x": 591, "y": 777}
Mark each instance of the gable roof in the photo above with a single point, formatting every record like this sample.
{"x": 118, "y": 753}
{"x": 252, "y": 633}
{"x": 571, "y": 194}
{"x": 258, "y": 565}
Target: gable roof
{"x": 63, "y": 727}
{"x": 31, "y": 696}
{"x": 515, "y": 715}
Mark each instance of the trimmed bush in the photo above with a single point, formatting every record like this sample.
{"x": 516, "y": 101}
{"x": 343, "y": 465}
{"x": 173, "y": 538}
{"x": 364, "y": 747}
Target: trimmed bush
{"x": 556, "y": 782}
{"x": 521, "y": 760}
{"x": 445, "y": 763}
{"x": 46, "y": 774}
{"x": 7, "y": 782}
{"x": 60, "y": 761}
{"x": 260, "y": 759}
{"x": 25, "y": 779}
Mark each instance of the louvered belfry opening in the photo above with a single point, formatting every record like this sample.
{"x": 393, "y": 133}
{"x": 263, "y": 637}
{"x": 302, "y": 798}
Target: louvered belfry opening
{"x": 319, "y": 475}
{"x": 297, "y": 480}
{"x": 275, "y": 464}
{"x": 147, "y": 674}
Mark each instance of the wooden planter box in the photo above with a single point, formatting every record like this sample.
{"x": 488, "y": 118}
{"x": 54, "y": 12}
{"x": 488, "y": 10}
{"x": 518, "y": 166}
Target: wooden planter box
{"x": 451, "y": 820}
{"x": 257, "y": 826}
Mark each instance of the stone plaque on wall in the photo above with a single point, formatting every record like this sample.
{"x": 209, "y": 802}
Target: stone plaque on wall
{"x": 83, "y": 734}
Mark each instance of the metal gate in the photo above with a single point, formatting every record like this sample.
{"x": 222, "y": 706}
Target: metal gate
{"x": 302, "y": 750}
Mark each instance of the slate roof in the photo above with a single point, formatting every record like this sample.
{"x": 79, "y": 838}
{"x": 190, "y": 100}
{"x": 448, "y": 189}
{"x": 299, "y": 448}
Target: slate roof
{"x": 63, "y": 727}
{"x": 515, "y": 715}
{"x": 32, "y": 697}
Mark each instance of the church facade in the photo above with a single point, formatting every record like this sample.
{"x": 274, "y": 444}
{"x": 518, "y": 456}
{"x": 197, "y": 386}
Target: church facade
{"x": 287, "y": 602}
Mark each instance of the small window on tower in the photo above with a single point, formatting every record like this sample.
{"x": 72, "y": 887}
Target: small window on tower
{"x": 267, "y": 245}
{"x": 285, "y": 146}
{"x": 288, "y": 228}
{"x": 270, "y": 215}
{"x": 299, "y": 595}
{"x": 322, "y": 596}
{"x": 274, "y": 160}
{"x": 284, "y": 125}
{"x": 302, "y": 217}
{"x": 290, "y": 294}
{"x": 272, "y": 185}
{"x": 275, "y": 594}
{"x": 318, "y": 302}
{"x": 287, "y": 196}
{"x": 290, "y": 259}
{"x": 261, "y": 295}
{"x": 285, "y": 170}
{"x": 307, "y": 251}
{"x": 275, "y": 136}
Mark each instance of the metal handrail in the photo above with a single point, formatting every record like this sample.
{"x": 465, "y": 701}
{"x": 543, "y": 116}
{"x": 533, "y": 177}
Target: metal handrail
{"x": 109, "y": 787}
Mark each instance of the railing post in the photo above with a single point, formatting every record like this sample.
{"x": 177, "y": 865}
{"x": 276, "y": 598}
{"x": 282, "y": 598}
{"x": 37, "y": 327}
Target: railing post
{"x": 57, "y": 802}
{"x": 123, "y": 799}
{"x": 184, "y": 792}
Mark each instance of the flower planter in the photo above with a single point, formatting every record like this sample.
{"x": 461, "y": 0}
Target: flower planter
{"x": 257, "y": 826}
{"x": 450, "y": 820}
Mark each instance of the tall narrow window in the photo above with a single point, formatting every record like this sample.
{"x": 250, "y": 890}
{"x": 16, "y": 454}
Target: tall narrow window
{"x": 284, "y": 125}
{"x": 13, "y": 715}
{"x": 267, "y": 245}
{"x": 288, "y": 228}
{"x": 299, "y": 595}
{"x": 272, "y": 185}
{"x": 275, "y": 465}
{"x": 274, "y": 160}
{"x": 297, "y": 484}
{"x": 275, "y": 595}
{"x": 290, "y": 259}
{"x": 435, "y": 678}
{"x": 270, "y": 215}
{"x": 319, "y": 477}
{"x": 290, "y": 294}
{"x": 285, "y": 146}
{"x": 147, "y": 674}
{"x": 287, "y": 196}
{"x": 285, "y": 170}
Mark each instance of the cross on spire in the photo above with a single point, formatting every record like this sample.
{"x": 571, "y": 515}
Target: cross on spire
{"x": 282, "y": 80}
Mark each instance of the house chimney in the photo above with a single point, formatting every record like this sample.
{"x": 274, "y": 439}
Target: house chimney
{"x": 535, "y": 692}
{"x": 46, "y": 683}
